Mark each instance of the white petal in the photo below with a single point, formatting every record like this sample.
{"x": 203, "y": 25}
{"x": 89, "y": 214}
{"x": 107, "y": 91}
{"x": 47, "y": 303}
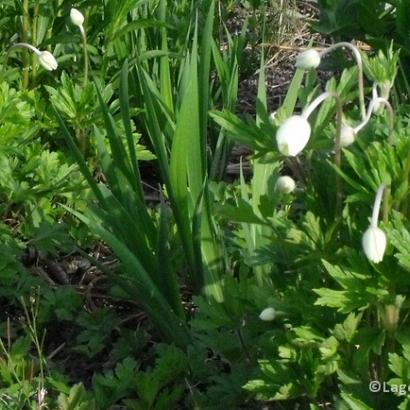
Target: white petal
{"x": 293, "y": 135}
{"x": 285, "y": 184}
{"x": 47, "y": 60}
{"x": 374, "y": 244}
{"x": 308, "y": 59}
{"x": 268, "y": 314}
{"x": 77, "y": 17}
{"x": 347, "y": 136}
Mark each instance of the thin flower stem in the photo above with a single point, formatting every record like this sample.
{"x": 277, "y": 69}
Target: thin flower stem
{"x": 338, "y": 145}
{"x": 376, "y": 206}
{"x": 34, "y": 40}
{"x": 359, "y": 62}
{"x": 316, "y": 102}
{"x": 84, "y": 36}
{"x": 25, "y": 35}
{"x": 243, "y": 345}
{"x": 338, "y": 152}
{"x": 373, "y": 104}
{"x": 406, "y": 175}
{"x": 25, "y": 45}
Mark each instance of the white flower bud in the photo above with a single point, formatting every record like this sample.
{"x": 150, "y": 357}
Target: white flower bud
{"x": 285, "y": 184}
{"x": 347, "y": 136}
{"x": 47, "y": 60}
{"x": 293, "y": 135}
{"x": 374, "y": 244}
{"x": 77, "y": 17}
{"x": 272, "y": 117}
{"x": 268, "y": 314}
{"x": 308, "y": 59}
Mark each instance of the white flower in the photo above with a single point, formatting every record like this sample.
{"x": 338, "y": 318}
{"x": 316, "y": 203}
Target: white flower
{"x": 47, "y": 60}
{"x": 41, "y": 395}
{"x": 374, "y": 239}
{"x": 347, "y": 135}
{"x": 77, "y": 17}
{"x": 293, "y": 135}
{"x": 268, "y": 314}
{"x": 285, "y": 184}
{"x": 374, "y": 244}
{"x": 308, "y": 59}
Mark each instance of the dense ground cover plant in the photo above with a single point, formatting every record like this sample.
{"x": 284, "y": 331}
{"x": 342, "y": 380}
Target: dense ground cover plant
{"x": 287, "y": 283}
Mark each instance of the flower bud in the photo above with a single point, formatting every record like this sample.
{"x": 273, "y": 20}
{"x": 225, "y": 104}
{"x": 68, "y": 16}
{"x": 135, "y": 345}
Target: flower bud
{"x": 285, "y": 184}
{"x": 268, "y": 314}
{"x": 272, "y": 117}
{"x": 47, "y": 60}
{"x": 293, "y": 135}
{"x": 347, "y": 136}
{"x": 390, "y": 317}
{"x": 77, "y": 17}
{"x": 374, "y": 244}
{"x": 308, "y": 59}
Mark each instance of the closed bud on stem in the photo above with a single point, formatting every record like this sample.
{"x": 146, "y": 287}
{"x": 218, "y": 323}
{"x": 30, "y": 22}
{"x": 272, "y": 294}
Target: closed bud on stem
{"x": 347, "y": 135}
{"x": 285, "y": 184}
{"x": 308, "y": 59}
{"x": 77, "y": 17}
{"x": 390, "y": 317}
{"x": 268, "y": 314}
{"x": 374, "y": 240}
{"x": 374, "y": 244}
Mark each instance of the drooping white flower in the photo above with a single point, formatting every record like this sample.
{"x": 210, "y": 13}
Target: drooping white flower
{"x": 374, "y": 239}
{"x": 285, "y": 184}
{"x": 293, "y": 135}
{"x": 47, "y": 60}
{"x": 268, "y": 314}
{"x": 347, "y": 135}
{"x": 308, "y": 59}
{"x": 374, "y": 244}
{"x": 77, "y": 17}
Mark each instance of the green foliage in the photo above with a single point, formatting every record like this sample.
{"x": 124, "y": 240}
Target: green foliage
{"x": 196, "y": 265}
{"x": 157, "y": 388}
{"x": 77, "y": 399}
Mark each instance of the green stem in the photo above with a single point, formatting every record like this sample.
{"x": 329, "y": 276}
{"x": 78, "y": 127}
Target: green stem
{"x": 359, "y": 62}
{"x": 84, "y": 36}
{"x": 243, "y": 345}
{"x": 338, "y": 148}
{"x": 34, "y": 40}
{"x": 386, "y": 203}
{"x": 338, "y": 153}
{"x": 25, "y": 35}
{"x": 406, "y": 176}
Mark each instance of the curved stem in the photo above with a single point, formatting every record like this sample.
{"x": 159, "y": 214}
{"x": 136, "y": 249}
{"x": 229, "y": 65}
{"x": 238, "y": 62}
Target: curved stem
{"x": 316, "y": 102}
{"x": 359, "y": 63}
{"x": 376, "y": 206}
{"x": 373, "y": 104}
{"x": 25, "y": 45}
